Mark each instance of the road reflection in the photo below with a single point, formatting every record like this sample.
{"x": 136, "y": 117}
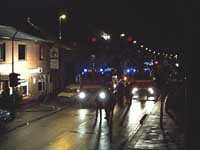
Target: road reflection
{"x": 139, "y": 108}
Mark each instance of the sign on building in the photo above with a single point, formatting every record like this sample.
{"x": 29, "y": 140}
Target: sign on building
{"x": 54, "y": 58}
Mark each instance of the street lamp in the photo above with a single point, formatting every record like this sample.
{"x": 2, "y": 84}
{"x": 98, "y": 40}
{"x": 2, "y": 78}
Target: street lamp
{"x": 61, "y": 17}
{"x": 122, "y": 35}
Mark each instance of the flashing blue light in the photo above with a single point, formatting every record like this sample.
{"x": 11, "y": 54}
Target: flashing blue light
{"x": 128, "y": 70}
{"x": 107, "y": 69}
{"x": 134, "y": 70}
{"x": 85, "y": 70}
{"x": 101, "y": 70}
{"x": 146, "y": 69}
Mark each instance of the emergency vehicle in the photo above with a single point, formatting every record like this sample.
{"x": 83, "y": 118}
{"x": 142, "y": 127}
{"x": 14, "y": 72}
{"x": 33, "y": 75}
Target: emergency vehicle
{"x": 141, "y": 82}
{"x": 93, "y": 82}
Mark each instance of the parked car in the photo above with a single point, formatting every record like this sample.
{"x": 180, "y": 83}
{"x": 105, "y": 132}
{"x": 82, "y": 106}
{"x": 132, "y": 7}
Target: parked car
{"x": 4, "y": 117}
{"x": 70, "y": 93}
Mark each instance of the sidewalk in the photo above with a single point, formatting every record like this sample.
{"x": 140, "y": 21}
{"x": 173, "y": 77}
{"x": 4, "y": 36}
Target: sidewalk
{"x": 33, "y": 111}
{"x": 151, "y": 137}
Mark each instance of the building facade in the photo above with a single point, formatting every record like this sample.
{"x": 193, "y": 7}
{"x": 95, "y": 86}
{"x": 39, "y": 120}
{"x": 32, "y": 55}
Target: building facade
{"x": 31, "y": 60}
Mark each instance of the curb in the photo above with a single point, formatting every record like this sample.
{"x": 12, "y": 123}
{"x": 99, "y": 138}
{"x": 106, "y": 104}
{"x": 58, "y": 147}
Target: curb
{"x": 38, "y": 118}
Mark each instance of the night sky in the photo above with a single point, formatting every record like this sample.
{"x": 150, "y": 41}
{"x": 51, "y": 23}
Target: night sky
{"x": 155, "y": 23}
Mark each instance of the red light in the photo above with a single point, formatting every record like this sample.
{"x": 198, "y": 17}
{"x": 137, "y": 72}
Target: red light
{"x": 93, "y": 39}
{"x": 130, "y": 38}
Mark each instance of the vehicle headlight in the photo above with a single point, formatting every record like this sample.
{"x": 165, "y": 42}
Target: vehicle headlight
{"x": 82, "y": 95}
{"x": 102, "y": 95}
{"x": 151, "y": 91}
{"x": 134, "y": 90}
{"x": 77, "y": 90}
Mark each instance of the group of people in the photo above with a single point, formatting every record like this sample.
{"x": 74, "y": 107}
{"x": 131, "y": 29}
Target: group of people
{"x": 113, "y": 96}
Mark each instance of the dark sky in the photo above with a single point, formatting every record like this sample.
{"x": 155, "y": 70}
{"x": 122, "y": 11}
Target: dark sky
{"x": 155, "y": 23}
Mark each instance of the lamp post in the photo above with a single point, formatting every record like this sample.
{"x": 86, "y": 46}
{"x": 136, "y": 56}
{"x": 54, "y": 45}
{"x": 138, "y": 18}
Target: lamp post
{"x": 61, "y": 17}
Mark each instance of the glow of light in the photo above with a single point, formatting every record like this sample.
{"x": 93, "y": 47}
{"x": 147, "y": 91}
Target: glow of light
{"x": 102, "y": 95}
{"x": 105, "y": 36}
{"x": 151, "y": 91}
{"x": 158, "y": 53}
{"x": 114, "y": 85}
{"x": 134, "y": 90}
{"x": 177, "y": 65}
{"x": 125, "y": 78}
{"x": 154, "y": 52}
{"x": 135, "y": 113}
{"x": 101, "y": 70}
{"x": 156, "y": 62}
{"x": 93, "y": 39}
{"x": 82, "y": 114}
{"x": 34, "y": 80}
{"x": 34, "y": 70}
{"x": 128, "y": 70}
{"x": 63, "y": 16}
{"x": 149, "y": 106}
{"x": 149, "y": 50}
{"x": 122, "y": 35}
{"x": 151, "y": 98}
{"x": 82, "y": 95}
{"x": 146, "y": 69}
{"x": 134, "y": 70}
{"x": 146, "y": 48}
{"x": 11, "y": 91}
{"x": 134, "y": 42}
{"x": 135, "y": 96}
{"x": 85, "y": 70}
{"x": 130, "y": 39}
{"x": 141, "y": 46}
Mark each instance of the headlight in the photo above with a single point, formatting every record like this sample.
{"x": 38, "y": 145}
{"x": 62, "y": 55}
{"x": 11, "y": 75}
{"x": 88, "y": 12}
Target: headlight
{"x": 151, "y": 91}
{"x": 82, "y": 95}
{"x": 102, "y": 95}
{"x": 134, "y": 90}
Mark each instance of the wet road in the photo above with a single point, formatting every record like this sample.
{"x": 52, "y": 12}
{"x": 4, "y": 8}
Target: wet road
{"x": 75, "y": 129}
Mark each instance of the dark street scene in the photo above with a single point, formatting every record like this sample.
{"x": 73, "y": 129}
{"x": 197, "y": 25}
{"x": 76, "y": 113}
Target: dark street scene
{"x": 94, "y": 75}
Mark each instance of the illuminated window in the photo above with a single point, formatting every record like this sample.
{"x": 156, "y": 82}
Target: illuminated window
{"x": 2, "y": 52}
{"x": 21, "y": 52}
{"x": 41, "y": 52}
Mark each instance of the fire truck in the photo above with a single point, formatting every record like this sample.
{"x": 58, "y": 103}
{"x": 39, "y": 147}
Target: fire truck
{"x": 93, "y": 82}
{"x": 141, "y": 83}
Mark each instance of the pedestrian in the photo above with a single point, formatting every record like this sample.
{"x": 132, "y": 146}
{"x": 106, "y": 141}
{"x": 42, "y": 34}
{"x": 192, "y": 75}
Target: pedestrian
{"x": 120, "y": 93}
{"x": 99, "y": 106}
{"x": 128, "y": 93}
{"x": 110, "y": 104}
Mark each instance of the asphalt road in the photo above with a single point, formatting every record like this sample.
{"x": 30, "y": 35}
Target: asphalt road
{"x": 75, "y": 129}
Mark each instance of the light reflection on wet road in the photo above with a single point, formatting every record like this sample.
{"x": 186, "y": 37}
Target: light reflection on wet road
{"x": 76, "y": 129}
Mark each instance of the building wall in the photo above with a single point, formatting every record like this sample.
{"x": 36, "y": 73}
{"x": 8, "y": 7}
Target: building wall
{"x": 32, "y": 70}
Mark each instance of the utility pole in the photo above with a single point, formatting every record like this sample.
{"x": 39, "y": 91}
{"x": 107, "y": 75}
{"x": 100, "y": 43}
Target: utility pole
{"x": 13, "y": 86}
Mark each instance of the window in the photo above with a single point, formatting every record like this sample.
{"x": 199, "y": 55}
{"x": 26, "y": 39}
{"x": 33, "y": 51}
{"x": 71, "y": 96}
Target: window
{"x": 41, "y": 53}
{"x": 21, "y": 52}
{"x": 2, "y": 52}
{"x": 41, "y": 86}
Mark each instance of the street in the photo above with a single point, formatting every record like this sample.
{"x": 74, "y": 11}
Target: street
{"x": 75, "y": 128}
